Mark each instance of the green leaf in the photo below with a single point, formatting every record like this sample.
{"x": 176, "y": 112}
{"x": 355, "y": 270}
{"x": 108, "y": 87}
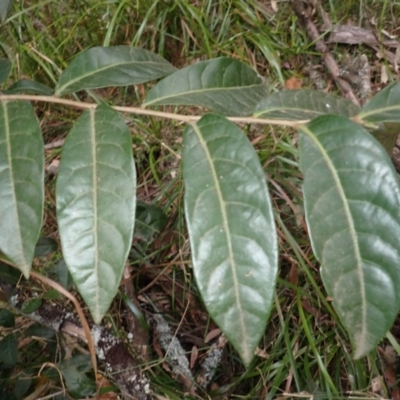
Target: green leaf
{"x": 5, "y": 69}
{"x": 223, "y": 85}
{"x": 26, "y": 85}
{"x": 22, "y": 385}
{"x": 40, "y": 331}
{"x": 64, "y": 276}
{"x": 45, "y": 246}
{"x": 96, "y": 204}
{"x": 9, "y": 350}
{"x": 78, "y": 384}
{"x": 7, "y": 318}
{"x": 21, "y": 181}
{"x": 386, "y": 134}
{"x": 231, "y": 229}
{"x": 150, "y": 220}
{"x": 81, "y": 362}
{"x": 384, "y": 107}
{"x": 304, "y": 104}
{"x": 52, "y": 294}
{"x": 5, "y": 7}
{"x": 112, "y": 66}
{"x": 31, "y": 305}
{"x": 10, "y": 274}
{"x": 352, "y": 202}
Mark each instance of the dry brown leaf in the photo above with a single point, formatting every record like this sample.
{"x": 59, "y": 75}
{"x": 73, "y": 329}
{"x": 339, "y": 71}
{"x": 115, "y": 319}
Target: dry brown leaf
{"x": 293, "y": 83}
{"x": 193, "y": 356}
{"x": 212, "y": 334}
{"x": 103, "y": 382}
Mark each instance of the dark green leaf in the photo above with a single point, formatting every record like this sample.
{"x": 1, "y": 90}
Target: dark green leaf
{"x": 26, "y": 85}
{"x": 5, "y": 7}
{"x": 112, "y": 66}
{"x": 384, "y": 107}
{"x": 21, "y": 181}
{"x": 22, "y": 386}
{"x": 352, "y": 203}
{"x": 96, "y": 205}
{"x": 7, "y": 318}
{"x": 9, "y": 274}
{"x": 64, "y": 276}
{"x": 9, "y": 350}
{"x": 304, "y": 104}
{"x": 41, "y": 331}
{"x": 223, "y": 85}
{"x": 31, "y": 305}
{"x": 45, "y": 246}
{"x": 150, "y": 220}
{"x": 81, "y": 362}
{"x": 78, "y": 384}
{"x": 231, "y": 229}
{"x": 5, "y": 69}
{"x": 136, "y": 311}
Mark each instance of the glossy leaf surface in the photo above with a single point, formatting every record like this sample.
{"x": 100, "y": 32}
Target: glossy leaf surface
{"x": 231, "y": 229}
{"x": 223, "y": 85}
{"x": 352, "y": 202}
{"x": 303, "y": 104}
{"x": 5, "y": 69}
{"x": 21, "y": 182}
{"x": 384, "y": 107}
{"x": 96, "y": 205}
{"x": 112, "y": 66}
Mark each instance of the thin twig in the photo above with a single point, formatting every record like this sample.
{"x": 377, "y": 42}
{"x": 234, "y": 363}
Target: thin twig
{"x": 143, "y": 111}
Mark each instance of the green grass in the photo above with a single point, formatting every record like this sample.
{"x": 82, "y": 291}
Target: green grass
{"x": 305, "y": 346}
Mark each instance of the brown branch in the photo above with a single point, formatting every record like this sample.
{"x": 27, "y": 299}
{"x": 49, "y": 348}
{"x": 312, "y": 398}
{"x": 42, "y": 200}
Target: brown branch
{"x": 305, "y": 17}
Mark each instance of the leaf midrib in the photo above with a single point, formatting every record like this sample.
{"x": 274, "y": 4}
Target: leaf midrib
{"x": 378, "y": 111}
{"x": 352, "y": 231}
{"x": 221, "y": 201}
{"x": 81, "y": 77}
{"x": 24, "y": 265}
{"x": 206, "y": 90}
{"x": 94, "y": 201}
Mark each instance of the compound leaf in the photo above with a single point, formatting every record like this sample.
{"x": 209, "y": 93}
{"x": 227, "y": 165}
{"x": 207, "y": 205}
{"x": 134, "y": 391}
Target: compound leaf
{"x": 223, "y": 85}
{"x": 112, "y": 66}
{"x": 21, "y": 182}
{"x": 231, "y": 229}
{"x": 96, "y": 204}
{"x": 352, "y": 202}
{"x": 303, "y": 104}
